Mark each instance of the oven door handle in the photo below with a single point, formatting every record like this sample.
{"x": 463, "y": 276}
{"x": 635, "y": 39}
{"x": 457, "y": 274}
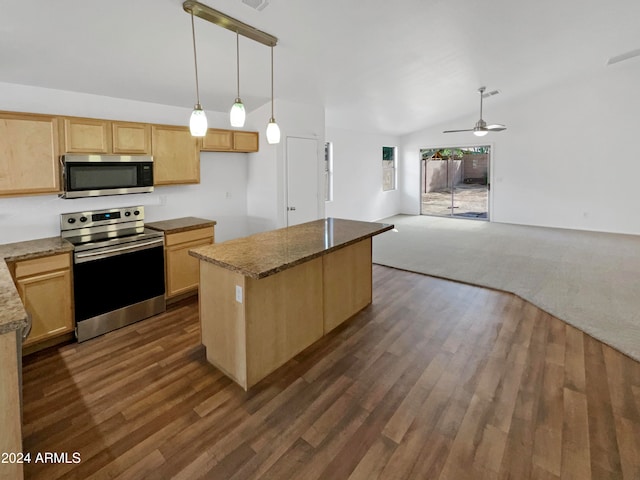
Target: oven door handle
{"x": 134, "y": 247}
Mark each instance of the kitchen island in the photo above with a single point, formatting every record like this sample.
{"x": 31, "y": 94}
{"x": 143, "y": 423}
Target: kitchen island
{"x": 266, "y": 297}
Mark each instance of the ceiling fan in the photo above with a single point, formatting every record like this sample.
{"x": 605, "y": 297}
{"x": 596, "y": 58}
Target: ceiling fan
{"x": 481, "y": 128}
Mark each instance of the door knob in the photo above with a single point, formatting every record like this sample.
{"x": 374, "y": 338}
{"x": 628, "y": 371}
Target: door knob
{"x": 291, "y": 208}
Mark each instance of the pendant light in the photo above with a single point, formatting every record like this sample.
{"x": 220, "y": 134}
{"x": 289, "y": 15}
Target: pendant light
{"x": 273, "y": 131}
{"x": 237, "y": 114}
{"x": 198, "y": 121}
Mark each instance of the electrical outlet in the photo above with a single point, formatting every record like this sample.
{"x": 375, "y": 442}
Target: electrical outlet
{"x": 238, "y": 294}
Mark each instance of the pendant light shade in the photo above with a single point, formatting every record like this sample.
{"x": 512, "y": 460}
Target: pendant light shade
{"x": 273, "y": 131}
{"x": 237, "y": 114}
{"x": 198, "y": 121}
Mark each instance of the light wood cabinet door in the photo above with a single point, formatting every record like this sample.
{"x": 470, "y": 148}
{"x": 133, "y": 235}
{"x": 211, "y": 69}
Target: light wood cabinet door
{"x": 217, "y": 140}
{"x": 131, "y": 138}
{"x": 183, "y": 270}
{"x": 44, "y": 286}
{"x": 28, "y": 154}
{"x": 176, "y": 155}
{"x": 86, "y": 135}
{"x": 245, "y": 141}
{"x": 10, "y": 417}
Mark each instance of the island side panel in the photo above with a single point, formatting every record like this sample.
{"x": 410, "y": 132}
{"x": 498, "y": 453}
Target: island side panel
{"x": 347, "y": 283}
{"x": 10, "y": 419}
{"x": 222, "y": 321}
{"x": 284, "y": 315}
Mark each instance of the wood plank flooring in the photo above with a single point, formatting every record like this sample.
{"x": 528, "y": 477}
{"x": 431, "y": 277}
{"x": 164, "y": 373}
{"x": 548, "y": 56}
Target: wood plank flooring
{"x": 434, "y": 380}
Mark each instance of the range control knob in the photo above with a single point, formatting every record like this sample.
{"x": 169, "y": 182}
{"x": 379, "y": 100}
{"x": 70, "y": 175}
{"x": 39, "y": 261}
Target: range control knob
{"x": 136, "y": 212}
{"x": 127, "y": 214}
{"x": 83, "y": 219}
{"x": 71, "y": 220}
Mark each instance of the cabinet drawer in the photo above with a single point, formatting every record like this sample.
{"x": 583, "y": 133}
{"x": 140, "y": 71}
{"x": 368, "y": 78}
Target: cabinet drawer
{"x": 44, "y": 264}
{"x": 189, "y": 236}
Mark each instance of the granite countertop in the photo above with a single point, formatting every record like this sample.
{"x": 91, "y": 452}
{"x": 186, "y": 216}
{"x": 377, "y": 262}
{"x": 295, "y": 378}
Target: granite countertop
{"x": 267, "y": 253}
{"x": 12, "y": 313}
{"x": 180, "y": 224}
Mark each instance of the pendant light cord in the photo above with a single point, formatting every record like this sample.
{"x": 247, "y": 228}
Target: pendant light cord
{"x": 272, "y": 82}
{"x": 195, "y": 57}
{"x": 238, "y": 61}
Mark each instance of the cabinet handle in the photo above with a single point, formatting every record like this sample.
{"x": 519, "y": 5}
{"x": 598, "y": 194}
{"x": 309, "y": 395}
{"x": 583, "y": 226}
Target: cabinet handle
{"x": 291, "y": 208}
{"x": 27, "y": 329}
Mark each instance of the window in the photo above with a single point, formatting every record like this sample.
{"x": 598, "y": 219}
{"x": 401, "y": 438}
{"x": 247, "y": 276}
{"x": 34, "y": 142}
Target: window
{"x": 328, "y": 172}
{"x": 388, "y": 168}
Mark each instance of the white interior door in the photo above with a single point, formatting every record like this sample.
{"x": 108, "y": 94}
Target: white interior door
{"x": 302, "y": 180}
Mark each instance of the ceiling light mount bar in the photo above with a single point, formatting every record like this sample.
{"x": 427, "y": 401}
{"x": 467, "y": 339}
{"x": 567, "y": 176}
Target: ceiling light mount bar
{"x": 223, "y": 20}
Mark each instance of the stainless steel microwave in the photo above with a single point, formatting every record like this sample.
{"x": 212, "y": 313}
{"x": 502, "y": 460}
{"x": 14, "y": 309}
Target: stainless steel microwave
{"x": 97, "y": 175}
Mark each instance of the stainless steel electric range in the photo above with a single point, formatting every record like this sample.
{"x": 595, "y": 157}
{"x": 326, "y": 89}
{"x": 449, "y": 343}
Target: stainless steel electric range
{"x": 118, "y": 269}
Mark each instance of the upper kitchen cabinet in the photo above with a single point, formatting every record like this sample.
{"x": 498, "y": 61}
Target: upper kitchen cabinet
{"x": 28, "y": 154}
{"x": 91, "y": 135}
{"x": 86, "y": 135}
{"x": 176, "y": 155}
{"x": 245, "y": 141}
{"x": 218, "y": 140}
{"x": 133, "y": 138}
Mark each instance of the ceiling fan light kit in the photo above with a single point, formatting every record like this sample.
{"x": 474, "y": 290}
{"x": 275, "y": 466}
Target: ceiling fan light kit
{"x": 481, "y": 128}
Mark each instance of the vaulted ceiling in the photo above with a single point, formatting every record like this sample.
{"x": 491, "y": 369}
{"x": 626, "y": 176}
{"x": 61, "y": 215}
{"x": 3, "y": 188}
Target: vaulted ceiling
{"x": 387, "y": 66}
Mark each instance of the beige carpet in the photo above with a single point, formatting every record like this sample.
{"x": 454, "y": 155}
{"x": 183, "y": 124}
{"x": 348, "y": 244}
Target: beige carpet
{"x": 588, "y": 279}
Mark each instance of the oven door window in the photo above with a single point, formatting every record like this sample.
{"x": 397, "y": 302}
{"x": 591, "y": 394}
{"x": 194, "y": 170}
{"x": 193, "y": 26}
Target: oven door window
{"x": 107, "y": 284}
{"x": 100, "y": 176}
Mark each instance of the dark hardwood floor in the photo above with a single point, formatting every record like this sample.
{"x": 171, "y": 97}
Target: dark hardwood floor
{"x": 434, "y": 380}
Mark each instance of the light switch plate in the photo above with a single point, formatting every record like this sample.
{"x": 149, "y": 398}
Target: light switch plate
{"x": 238, "y": 294}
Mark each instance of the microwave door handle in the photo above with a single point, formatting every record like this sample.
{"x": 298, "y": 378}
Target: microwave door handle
{"x": 89, "y": 256}
{"x": 63, "y": 175}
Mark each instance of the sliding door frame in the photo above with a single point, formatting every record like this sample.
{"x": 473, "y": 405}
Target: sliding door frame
{"x": 490, "y": 179}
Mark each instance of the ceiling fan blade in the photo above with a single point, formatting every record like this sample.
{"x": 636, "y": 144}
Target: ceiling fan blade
{"x": 496, "y": 127}
{"x": 453, "y": 131}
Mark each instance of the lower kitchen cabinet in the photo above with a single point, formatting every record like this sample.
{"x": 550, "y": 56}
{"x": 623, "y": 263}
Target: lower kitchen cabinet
{"x": 44, "y": 285}
{"x": 183, "y": 270}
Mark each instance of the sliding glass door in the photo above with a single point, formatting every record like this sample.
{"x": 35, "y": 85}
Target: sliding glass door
{"x": 455, "y": 182}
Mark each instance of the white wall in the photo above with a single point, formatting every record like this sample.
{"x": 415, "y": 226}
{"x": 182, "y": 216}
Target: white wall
{"x": 221, "y": 195}
{"x": 568, "y": 158}
{"x": 357, "y": 176}
{"x": 266, "y": 189}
